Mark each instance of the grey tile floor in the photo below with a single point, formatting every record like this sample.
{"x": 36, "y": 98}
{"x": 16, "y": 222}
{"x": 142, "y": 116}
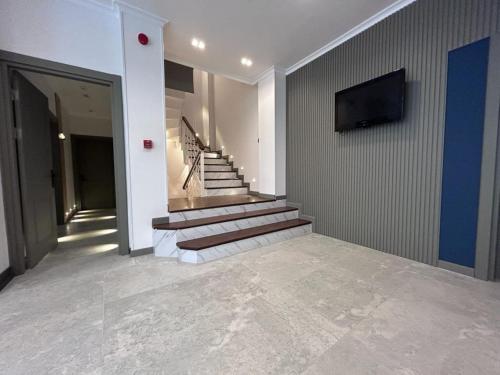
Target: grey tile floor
{"x": 311, "y": 305}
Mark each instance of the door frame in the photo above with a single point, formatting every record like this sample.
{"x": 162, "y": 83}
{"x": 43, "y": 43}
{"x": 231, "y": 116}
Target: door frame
{"x": 8, "y": 159}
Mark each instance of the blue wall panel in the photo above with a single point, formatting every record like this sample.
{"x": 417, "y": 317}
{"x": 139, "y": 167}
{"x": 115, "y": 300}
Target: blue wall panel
{"x": 463, "y": 143}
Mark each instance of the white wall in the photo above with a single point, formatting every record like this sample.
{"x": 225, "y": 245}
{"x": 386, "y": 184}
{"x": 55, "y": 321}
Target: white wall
{"x": 145, "y": 113}
{"x": 82, "y": 34}
{"x": 236, "y": 118}
{"x": 266, "y": 147}
{"x": 195, "y": 106}
{"x": 4, "y": 252}
{"x": 280, "y": 132}
{"x": 272, "y": 133}
{"x": 177, "y": 170}
{"x": 63, "y": 31}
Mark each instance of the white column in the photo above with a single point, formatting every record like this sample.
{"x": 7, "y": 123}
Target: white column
{"x": 272, "y": 133}
{"x": 144, "y": 111}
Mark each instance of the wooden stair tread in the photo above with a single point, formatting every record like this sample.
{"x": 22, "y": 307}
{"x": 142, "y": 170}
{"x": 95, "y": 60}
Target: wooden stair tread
{"x": 242, "y": 234}
{"x": 225, "y": 187}
{"x": 222, "y": 218}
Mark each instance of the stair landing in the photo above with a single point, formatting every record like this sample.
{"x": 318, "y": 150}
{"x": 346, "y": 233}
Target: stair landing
{"x": 200, "y": 203}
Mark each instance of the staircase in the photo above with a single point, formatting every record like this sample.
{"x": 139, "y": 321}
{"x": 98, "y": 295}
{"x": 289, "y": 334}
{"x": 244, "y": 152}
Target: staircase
{"x": 210, "y": 175}
{"x": 215, "y": 227}
{"x": 221, "y": 177}
{"x": 217, "y": 217}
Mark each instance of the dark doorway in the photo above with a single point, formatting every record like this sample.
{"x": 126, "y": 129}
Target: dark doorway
{"x": 94, "y": 175}
{"x": 36, "y": 174}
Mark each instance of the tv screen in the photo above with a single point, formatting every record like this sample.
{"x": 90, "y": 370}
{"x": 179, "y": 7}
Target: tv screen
{"x": 378, "y": 101}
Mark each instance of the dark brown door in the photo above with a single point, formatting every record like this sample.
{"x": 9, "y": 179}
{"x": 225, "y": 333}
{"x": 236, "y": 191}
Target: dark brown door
{"x": 35, "y": 169}
{"x": 94, "y": 172}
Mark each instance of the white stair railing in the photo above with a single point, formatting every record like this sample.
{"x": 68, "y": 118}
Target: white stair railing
{"x": 193, "y": 151}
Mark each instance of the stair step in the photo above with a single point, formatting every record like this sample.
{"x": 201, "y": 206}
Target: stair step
{"x": 215, "y": 161}
{"x": 202, "y": 204}
{"x": 220, "y": 175}
{"x": 221, "y": 239}
{"x": 218, "y": 168}
{"x": 231, "y": 190}
{"x": 212, "y": 155}
{"x": 227, "y": 182}
{"x": 222, "y": 219}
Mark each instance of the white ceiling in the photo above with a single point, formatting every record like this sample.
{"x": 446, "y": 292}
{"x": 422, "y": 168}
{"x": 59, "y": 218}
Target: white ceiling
{"x": 276, "y": 33}
{"x": 78, "y": 98}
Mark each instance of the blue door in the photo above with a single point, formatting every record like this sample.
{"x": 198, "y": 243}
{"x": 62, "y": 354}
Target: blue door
{"x": 463, "y": 144}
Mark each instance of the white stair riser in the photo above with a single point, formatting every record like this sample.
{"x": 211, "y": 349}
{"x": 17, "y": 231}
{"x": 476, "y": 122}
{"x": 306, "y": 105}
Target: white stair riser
{"x": 230, "y": 226}
{"x": 211, "y": 161}
{"x": 165, "y": 241}
{"x": 209, "y": 212}
{"x": 219, "y": 175}
{"x": 232, "y": 248}
{"x": 211, "y": 155}
{"x": 230, "y": 191}
{"x": 223, "y": 183}
{"x": 218, "y": 168}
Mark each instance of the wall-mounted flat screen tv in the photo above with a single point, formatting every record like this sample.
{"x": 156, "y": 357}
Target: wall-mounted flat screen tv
{"x": 378, "y": 101}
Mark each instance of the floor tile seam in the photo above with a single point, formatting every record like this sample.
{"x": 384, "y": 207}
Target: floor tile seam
{"x": 158, "y": 287}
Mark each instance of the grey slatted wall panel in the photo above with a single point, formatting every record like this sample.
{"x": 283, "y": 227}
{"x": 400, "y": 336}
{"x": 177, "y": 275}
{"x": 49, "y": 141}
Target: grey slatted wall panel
{"x": 380, "y": 187}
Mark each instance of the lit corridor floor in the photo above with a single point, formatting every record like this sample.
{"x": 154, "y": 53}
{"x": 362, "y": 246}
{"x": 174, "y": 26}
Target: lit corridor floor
{"x": 311, "y": 305}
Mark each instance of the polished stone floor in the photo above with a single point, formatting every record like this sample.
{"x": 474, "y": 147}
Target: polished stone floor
{"x": 311, "y": 305}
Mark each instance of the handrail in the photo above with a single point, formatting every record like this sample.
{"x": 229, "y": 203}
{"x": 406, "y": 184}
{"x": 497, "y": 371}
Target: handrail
{"x": 191, "y": 171}
{"x": 198, "y": 140}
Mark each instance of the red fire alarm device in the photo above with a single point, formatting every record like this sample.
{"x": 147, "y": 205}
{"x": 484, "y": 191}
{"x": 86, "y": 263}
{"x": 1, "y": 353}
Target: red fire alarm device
{"x": 143, "y": 39}
{"x": 148, "y": 144}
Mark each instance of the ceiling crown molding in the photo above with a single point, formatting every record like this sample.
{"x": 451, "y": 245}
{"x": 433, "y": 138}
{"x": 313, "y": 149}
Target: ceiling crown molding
{"x": 376, "y": 18}
{"x": 127, "y": 8}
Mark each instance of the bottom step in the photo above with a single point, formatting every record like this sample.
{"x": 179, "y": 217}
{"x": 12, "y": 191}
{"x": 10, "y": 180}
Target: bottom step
{"x": 209, "y": 248}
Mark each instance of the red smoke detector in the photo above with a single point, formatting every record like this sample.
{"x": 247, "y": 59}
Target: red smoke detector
{"x": 143, "y": 39}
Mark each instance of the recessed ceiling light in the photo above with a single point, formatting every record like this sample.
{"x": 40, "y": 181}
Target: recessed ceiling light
{"x": 196, "y": 43}
{"x": 246, "y": 61}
